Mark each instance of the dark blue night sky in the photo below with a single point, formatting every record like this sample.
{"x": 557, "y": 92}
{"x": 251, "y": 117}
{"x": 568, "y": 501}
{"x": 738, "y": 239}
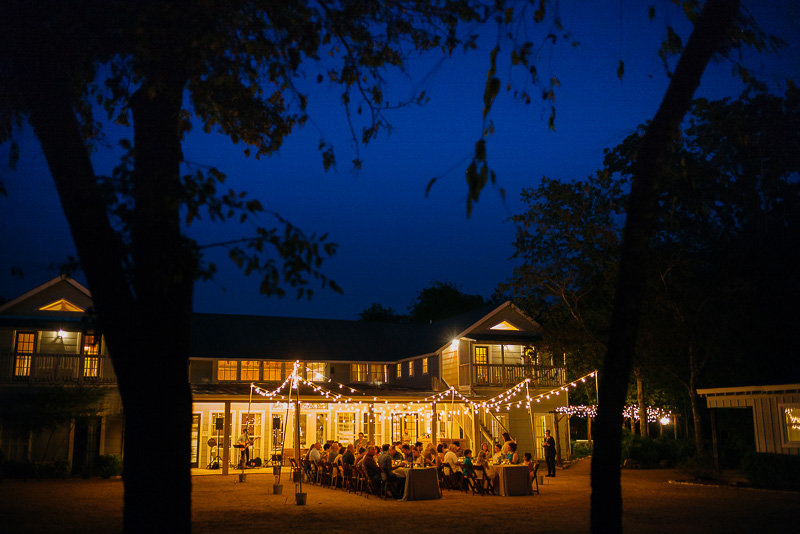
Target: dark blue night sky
{"x": 393, "y": 240}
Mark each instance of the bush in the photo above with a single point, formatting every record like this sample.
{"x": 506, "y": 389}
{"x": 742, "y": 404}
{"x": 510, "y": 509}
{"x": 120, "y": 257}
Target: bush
{"x": 17, "y": 469}
{"x": 773, "y": 471}
{"x": 702, "y": 469}
{"x": 580, "y": 450}
{"x": 57, "y": 469}
{"x": 109, "y": 466}
{"x": 650, "y": 452}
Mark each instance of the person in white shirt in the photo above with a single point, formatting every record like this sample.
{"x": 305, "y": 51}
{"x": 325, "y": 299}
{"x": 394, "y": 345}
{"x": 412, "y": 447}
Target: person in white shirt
{"x": 451, "y": 462}
{"x": 314, "y": 454}
{"x": 498, "y": 454}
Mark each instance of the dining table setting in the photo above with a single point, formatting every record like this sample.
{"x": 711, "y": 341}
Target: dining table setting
{"x": 422, "y": 483}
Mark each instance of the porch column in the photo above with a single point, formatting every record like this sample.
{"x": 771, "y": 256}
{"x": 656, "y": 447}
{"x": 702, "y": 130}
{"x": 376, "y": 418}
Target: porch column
{"x": 714, "y": 445}
{"x": 371, "y": 423}
{"x": 226, "y": 447}
{"x": 503, "y": 361}
{"x": 434, "y": 424}
{"x": 296, "y": 431}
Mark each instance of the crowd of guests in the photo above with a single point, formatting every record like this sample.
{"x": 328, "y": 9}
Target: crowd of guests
{"x": 379, "y": 462}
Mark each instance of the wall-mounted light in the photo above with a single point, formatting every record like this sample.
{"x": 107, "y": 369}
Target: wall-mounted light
{"x": 60, "y": 334}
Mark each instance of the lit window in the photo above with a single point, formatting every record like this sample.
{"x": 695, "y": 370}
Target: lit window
{"x": 250, "y": 370}
{"x": 378, "y": 373}
{"x": 791, "y": 425}
{"x": 424, "y": 366}
{"x": 91, "y": 348}
{"x": 227, "y": 370}
{"x": 481, "y": 363}
{"x": 505, "y": 325}
{"x": 359, "y": 372}
{"x": 25, "y": 344}
{"x": 411, "y": 368}
{"x": 399, "y": 371}
{"x": 273, "y": 371}
{"x": 317, "y": 372}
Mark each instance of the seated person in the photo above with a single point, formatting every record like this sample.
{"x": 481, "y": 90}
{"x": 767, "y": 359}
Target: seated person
{"x": 395, "y": 452}
{"x": 360, "y": 458}
{"x": 371, "y": 467}
{"x": 333, "y": 453}
{"x": 429, "y": 455}
{"x": 488, "y": 471}
{"x": 314, "y": 454}
{"x": 467, "y": 465}
{"x": 484, "y": 453}
{"x": 512, "y": 456}
{"x": 451, "y": 464}
{"x": 498, "y": 454}
{"x": 527, "y": 460}
{"x": 349, "y": 456}
{"x": 408, "y": 456}
{"x": 395, "y": 485}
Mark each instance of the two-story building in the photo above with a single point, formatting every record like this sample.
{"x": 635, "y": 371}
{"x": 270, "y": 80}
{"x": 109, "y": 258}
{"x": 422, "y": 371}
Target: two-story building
{"x": 468, "y": 378}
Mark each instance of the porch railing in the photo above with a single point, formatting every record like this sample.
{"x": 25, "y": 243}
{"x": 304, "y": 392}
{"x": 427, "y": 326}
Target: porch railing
{"x": 44, "y": 369}
{"x": 542, "y": 376}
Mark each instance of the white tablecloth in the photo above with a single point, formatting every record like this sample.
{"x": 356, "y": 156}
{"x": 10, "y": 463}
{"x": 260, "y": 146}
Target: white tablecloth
{"x": 512, "y": 480}
{"x": 421, "y": 484}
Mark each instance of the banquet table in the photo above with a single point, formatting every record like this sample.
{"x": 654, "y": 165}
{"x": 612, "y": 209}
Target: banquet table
{"x": 513, "y": 480}
{"x": 422, "y": 483}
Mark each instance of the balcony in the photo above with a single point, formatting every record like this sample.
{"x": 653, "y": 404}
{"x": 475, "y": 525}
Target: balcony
{"x": 53, "y": 369}
{"x": 498, "y": 375}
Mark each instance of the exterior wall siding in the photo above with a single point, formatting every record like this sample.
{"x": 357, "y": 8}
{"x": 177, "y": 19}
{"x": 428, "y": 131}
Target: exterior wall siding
{"x": 450, "y": 366}
{"x": 767, "y": 423}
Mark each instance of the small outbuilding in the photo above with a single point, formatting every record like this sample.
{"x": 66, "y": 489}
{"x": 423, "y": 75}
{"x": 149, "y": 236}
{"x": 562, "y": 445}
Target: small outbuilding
{"x": 776, "y": 414}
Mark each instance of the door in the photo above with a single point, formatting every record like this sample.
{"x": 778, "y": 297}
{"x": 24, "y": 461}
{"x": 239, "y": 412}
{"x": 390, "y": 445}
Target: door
{"x": 86, "y": 445}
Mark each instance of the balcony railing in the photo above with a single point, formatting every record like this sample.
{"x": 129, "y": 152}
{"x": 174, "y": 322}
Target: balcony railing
{"x": 542, "y": 376}
{"x": 45, "y": 369}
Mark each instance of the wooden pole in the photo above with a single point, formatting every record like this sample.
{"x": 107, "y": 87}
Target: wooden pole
{"x": 226, "y": 440}
{"x": 533, "y": 427}
{"x": 434, "y": 424}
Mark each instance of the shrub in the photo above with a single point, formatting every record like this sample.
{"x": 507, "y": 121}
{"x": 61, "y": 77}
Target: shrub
{"x": 17, "y": 469}
{"x": 580, "y": 450}
{"x": 698, "y": 468}
{"x": 650, "y": 452}
{"x": 773, "y": 471}
{"x": 109, "y": 466}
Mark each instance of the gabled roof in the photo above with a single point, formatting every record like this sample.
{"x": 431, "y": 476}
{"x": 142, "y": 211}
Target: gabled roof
{"x": 45, "y": 300}
{"x": 327, "y": 340}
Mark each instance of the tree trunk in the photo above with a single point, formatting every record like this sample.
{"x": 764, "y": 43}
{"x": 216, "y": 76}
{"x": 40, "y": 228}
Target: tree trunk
{"x": 644, "y": 427}
{"x": 148, "y": 335}
{"x": 164, "y": 269}
{"x": 606, "y": 512}
{"x": 694, "y": 399}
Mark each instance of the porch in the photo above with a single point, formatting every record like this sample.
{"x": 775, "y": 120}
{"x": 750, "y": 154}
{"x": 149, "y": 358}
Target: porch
{"x": 507, "y": 375}
{"x": 49, "y": 368}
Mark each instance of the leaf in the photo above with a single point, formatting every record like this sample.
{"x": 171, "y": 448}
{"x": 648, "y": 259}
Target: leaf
{"x": 430, "y": 185}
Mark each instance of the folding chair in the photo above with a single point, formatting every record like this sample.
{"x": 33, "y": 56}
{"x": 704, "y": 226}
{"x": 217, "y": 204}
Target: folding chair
{"x": 535, "y": 482}
{"x": 475, "y": 483}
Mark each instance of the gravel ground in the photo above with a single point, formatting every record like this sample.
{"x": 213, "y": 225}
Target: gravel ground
{"x": 654, "y": 501}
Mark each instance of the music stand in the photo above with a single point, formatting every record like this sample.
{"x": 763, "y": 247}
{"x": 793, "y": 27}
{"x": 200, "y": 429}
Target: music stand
{"x": 216, "y": 458}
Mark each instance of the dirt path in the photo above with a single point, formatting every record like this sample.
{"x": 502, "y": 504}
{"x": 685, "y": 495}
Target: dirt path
{"x": 221, "y": 504}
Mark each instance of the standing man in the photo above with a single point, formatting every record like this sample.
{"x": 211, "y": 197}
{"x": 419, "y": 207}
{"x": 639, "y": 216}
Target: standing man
{"x": 549, "y": 445}
{"x": 244, "y": 453}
